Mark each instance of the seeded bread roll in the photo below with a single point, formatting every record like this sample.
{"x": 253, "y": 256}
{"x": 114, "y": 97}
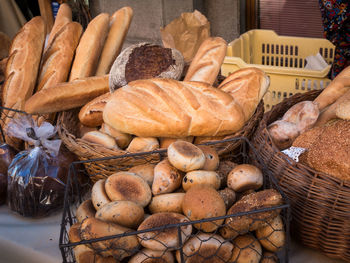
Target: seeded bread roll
{"x": 146, "y": 171}
{"x": 145, "y": 61}
{"x": 167, "y": 203}
{"x": 99, "y": 196}
{"x": 166, "y": 178}
{"x": 201, "y": 177}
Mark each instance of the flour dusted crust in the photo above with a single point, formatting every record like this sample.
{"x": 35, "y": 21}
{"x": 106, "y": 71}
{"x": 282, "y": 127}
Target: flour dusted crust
{"x": 117, "y": 73}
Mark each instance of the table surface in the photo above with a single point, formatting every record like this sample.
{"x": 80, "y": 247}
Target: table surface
{"x": 36, "y": 240}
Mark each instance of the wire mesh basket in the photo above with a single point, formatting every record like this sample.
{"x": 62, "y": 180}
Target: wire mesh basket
{"x": 183, "y": 240}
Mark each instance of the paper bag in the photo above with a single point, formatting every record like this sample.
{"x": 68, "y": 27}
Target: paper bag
{"x": 186, "y": 33}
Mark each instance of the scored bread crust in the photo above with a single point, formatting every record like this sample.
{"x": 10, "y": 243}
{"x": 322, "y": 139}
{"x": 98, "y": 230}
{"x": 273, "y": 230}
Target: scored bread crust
{"x": 170, "y": 108}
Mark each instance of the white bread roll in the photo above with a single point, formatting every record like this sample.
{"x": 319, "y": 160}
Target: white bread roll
{"x": 66, "y": 95}
{"x": 171, "y": 108}
{"x": 63, "y": 17}
{"x": 246, "y": 249}
{"x": 245, "y": 177}
{"x": 206, "y": 64}
{"x": 99, "y": 196}
{"x": 101, "y": 138}
{"x": 129, "y": 187}
{"x": 185, "y": 156}
{"x": 166, "y": 178}
{"x": 143, "y": 144}
{"x": 147, "y": 255}
{"x": 124, "y": 213}
{"x": 272, "y": 236}
{"x": 201, "y": 202}
{"x": 86, "y": 209}
{"x": 119, "y": 248}
{"x": 206, "y": 248}
{"x": 90, "y": 47}
{"x": 167, "y": 239}
{"x": 145, "y": 61}
{"x": 201, "y": 177}
{"x": 247, "y": 86}
{"x": 91, "y": 113}
{"x": 122, "y": 139}
{"x": 211, "y": 158}
{"x": 118, "y": 29}
{"x": 164, "y": 142}
{"x": 145, "y": 171}
{"x": 167, "y": 203}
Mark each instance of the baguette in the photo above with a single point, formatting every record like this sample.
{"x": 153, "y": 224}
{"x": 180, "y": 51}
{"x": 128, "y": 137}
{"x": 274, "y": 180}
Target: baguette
{"x": 57, "y": 59}
{"x": 91, "y": 114}
{"x": 90, "y": 47}
{"x": 170, "y": 108}
{"x": 338, "y": 86}
{"x": 67, "y": 95}
{"x": 120, "y": 22}
{"x": 247, "y": 86}
{"x": 206, "y": 64}
{"x": 63, "y": 17}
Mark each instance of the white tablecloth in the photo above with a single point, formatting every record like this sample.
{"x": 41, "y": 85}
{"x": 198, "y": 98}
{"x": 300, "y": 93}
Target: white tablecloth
{"x": 24, "y": 240}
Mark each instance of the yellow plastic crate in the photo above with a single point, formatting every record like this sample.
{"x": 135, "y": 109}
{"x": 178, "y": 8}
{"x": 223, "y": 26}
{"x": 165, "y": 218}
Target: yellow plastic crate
{"x": 283, "y": 60}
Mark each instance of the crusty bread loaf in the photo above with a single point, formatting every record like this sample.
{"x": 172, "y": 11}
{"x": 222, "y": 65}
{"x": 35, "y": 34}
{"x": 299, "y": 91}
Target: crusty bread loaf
{"x": 57, "y": 58}
{"x": 170, "y": 108}
{"x": 23, "y": 64}
{"x": 206, "y": 64}
{"x": 119, "y": 26}
{"x": 145, "y": 61}
{"x": 247, "y": 86}
{"x": 338, "y": 86}
{"x": 90, "y": 47}
{"x": 91, "y": 114}
{"x": 67, "y": 95}
{"x": 63, "y": 17}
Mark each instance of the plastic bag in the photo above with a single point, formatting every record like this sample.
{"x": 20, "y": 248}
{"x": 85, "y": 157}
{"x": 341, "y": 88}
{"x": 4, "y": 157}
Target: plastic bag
{"x": 37, "y": 176}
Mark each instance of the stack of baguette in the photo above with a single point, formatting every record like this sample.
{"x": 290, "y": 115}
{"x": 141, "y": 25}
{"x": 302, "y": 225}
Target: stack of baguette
{"x": 192, "y": 183}
{"x": 321, "y": 127}
{"x": 67, "y": 65}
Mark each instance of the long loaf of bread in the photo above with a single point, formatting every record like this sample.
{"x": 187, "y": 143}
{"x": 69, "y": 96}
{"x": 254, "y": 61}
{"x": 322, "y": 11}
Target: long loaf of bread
{"x": 90, "y": 47}
{"x": 63, "y": 17}
{"x": 67, "y": 95}
{"x": 171, "y": 108}
{"x": 58, "y": 56}
{"x": 206, "y": 64}
{"x": 120, "y": 22}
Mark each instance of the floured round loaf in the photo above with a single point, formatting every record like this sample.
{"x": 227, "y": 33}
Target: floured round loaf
{"x": 144, "y": 61}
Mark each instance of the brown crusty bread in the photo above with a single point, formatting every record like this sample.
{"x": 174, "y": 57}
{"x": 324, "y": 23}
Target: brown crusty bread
{"x": 57, "y": 58}
{"x": 67, "y": 95}
{"x": 206, "y": 64}
{"x": 119, "y": 26}
{"x": 90, "y": 47}
{"x": 170, "y": 108}
{"x": 63, "y": 17}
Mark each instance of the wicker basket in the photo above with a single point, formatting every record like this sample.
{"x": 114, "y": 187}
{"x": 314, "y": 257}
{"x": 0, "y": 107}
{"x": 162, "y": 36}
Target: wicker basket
{"x": 320, "y": 202}
{"x": 68, "y": 129}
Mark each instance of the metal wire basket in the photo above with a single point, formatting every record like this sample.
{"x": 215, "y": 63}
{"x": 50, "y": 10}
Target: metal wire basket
{"x": 226, "y": 249}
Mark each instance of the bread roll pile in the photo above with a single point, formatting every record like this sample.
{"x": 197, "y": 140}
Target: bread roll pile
{"x": 190, "y": 184}
{"x": 321, "y": 127}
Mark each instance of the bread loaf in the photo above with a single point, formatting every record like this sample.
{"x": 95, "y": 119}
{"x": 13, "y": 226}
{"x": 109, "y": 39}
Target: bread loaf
{"x": 90, "y": 47}
{"x": 67, "y": 95}
{"x": 57, "y": 58}
{"x": 170, "y": 108}
{"x": 63, "y": 17}
{"x": 23, "y": 64}
{"x": 338, "y": 86}
{"x": 206, "y": 64}
{"x": 145, "y": 61}
{"x": 119, "y": 26}
{"x": 247, "y": 86}
{"x": 91, "y": 114}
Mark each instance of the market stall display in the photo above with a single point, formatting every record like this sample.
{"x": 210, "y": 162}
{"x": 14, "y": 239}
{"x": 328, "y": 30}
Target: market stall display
{"x": 191, "y": 223}
{"x": 314, "y": 171}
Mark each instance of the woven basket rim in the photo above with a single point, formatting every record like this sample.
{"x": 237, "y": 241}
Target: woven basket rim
{"x": 267, "y": 119}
